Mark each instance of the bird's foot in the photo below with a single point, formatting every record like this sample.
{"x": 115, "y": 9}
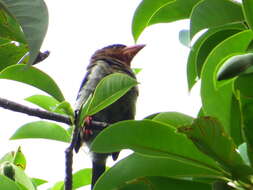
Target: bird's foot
{"x": 87, "y": 132}
{"x": 88, "y": 120}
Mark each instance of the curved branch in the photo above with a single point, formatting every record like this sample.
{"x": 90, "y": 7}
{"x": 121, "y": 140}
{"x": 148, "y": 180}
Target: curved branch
{"x": 10, "y": 105}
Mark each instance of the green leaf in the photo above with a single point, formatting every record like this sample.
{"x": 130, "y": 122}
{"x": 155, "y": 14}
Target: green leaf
{"x": 150, "y": 183}
{"x": 174, "y": 119}
{"x": 58, "y": 186}
{"x": 37, "y": 182}
{"x": 9, "y": 28}
{"x": 235, "y": 66}
{"x": 246, "y": 104}
{"x": 136, "y": 71}
{"x": 243, "y": 84}
{"x": 166, "y": 142}
{"x": 217, "y": 101}
{"x": 32, "y": 15}
{"x": 41, "y": 129}
{"x": 19, "y": 159}
{"x": 51, "y": 104}
{"x": 203, "y": 47}
{"x": 108, "y": 90}
{"x": 248, "y": 12}
{"x": 137, "y": 165}
{"x": 213, "y": 13}
{"x": 236, "y": 122}
{"x": 46, "y": 102}
{"x": 152, "y": 116}
{"x": 203, "y": 131}
{"x": 65, "y": 108}
{"x": 8, "y": 184}
{"x": 184, "y": 38}
{"x": 11, "y": 53}
{"x": 152, "y": 12}
{"x": 34, "y": 77}
{"x": 19, "y": 177}
{"x": 81, "y": 178}
{"x": 143, "y": 14}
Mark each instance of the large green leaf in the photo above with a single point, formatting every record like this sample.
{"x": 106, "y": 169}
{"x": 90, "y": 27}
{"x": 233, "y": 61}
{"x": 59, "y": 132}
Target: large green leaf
{"x": 33, "y": 77}
{"x": 143, "y": 13}
{"x": 174, "y": 119}
{"x": 248, "y": 12}
{"x": 217, "y": 101}
{"x": 32, "y": 15}
{"x": 9, "y": 28}
{"x": 8, "y": 184}
{"x": 159, "y": 11}
{"x": 204, "y": 45}
{"x": 108, "y": 90}
{"x": 10, "y": 53}
{"x": 203, "y": 131}
{"x": 212, "y": 13}
{"x": 42, "y": 129}
{"x": 151, "y": 183}
{"x": 136, "y": 166}
{"x": 151, "y": 138}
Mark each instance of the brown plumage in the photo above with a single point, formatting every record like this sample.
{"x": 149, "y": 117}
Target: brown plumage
{"x": 108, "y": 60}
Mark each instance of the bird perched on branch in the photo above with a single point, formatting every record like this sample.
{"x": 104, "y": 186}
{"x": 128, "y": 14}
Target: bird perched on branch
{"x": 111, "y": 59}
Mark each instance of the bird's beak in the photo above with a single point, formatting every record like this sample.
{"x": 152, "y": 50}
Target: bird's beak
{"x": 131, "y": 51}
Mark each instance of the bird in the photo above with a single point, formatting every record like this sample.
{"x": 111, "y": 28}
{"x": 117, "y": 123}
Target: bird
{"x": 111, "y": 59}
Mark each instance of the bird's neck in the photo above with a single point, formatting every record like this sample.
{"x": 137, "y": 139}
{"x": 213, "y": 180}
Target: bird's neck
{"x": 116, "y": 63}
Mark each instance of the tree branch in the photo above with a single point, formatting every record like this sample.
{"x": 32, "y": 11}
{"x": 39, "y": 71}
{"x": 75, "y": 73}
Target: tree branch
{"x": 10, "y": 105}
{"x": 13, "y": 106}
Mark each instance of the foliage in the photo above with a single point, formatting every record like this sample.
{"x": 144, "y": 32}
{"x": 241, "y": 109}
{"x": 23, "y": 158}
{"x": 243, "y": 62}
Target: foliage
{"x": 171, "y": 150}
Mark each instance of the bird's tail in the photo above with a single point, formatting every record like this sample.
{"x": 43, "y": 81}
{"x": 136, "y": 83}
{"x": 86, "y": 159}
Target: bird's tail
{"x": 98, "y": 168}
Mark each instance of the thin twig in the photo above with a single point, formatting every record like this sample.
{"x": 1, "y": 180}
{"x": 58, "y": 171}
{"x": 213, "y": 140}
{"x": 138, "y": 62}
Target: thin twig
{"x": 69, "y": 158}
{"x": 69, "y": 151}
{"x": 10, "y": 105}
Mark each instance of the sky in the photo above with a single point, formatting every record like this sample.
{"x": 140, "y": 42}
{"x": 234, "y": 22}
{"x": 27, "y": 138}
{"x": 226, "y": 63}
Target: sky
{"x": 76, "y": 29}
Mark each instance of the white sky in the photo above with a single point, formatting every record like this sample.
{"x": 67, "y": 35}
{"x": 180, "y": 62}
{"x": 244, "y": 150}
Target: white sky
{"x": 77, "y": 28}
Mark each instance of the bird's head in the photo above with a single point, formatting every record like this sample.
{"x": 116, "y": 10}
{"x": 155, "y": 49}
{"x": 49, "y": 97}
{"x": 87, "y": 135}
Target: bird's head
{"x": 119, "y": 52}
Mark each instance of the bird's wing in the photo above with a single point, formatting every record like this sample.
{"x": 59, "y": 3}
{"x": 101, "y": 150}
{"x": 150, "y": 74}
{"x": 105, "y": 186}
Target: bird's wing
{"x": 95, "y": 73}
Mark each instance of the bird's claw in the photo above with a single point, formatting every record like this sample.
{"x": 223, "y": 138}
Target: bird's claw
{"x": 88, "y": 120}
